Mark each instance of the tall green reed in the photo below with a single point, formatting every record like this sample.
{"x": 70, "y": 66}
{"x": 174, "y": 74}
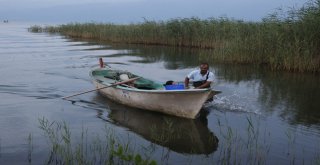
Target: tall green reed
{"x": 109, "y": 150}
{"x": 283, "y": 40}
{"x": 245, "y": 146}
{"x": 30, "y": 148}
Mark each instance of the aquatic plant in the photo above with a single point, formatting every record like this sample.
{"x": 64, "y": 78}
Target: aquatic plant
{"x": 100, "y": 151}
{"x": 290, "y": 42}
{"x": 30, "y": 148}
{"x": 246, "y": 146}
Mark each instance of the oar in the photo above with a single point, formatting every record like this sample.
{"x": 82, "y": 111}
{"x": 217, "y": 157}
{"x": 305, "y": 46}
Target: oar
{"x": 115, "y": 84}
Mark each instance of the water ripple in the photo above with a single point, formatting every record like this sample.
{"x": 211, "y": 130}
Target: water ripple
{"x": 231, "y": 103}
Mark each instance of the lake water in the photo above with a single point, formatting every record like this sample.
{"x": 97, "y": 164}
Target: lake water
{"x": 261, "y": 116}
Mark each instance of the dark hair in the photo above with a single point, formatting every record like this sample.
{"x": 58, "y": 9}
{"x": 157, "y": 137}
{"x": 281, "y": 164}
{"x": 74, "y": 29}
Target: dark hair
{"x": 204, "y": 63}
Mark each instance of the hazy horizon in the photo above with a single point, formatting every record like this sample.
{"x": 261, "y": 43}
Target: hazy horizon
{"x": 132, "y": 11}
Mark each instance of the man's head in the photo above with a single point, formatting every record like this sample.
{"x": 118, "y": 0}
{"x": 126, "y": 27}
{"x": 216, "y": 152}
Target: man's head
{"x": 204, "y": 67}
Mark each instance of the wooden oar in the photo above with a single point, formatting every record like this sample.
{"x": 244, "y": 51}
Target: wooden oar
{"x": 115, "y": 84}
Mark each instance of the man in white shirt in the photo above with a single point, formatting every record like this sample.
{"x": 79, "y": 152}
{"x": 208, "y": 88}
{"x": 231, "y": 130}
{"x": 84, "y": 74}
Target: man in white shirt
{"x": 202, "y": 78}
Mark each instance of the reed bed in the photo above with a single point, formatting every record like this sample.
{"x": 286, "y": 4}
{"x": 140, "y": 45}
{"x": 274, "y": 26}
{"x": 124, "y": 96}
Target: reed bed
{"x": 249, "y": 145}
{"x": 290, "y": 42}
{"x": 65, "y": 149}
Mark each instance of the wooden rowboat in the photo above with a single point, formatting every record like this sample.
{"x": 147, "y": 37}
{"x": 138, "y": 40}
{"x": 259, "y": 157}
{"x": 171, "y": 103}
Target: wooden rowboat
{"x": 150, "y": 95}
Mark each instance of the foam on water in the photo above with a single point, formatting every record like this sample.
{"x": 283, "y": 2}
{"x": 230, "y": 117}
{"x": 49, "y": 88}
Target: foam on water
{"x": 235, "y": 103}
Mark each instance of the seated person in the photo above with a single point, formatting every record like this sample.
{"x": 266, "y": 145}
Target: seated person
{"x": 202, "y": 78}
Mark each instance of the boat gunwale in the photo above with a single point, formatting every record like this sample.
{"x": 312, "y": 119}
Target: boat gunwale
{"x": 156, "y": 90}
{"x": 159, "y": 91}
{"x": 191, "y": 90}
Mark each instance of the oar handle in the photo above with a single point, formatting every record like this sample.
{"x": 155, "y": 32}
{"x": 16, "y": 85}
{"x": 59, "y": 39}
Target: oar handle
{"x": 115, "y": 84}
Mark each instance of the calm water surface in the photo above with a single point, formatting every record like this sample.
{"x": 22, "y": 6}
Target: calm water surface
{"x": 261, "y": 116}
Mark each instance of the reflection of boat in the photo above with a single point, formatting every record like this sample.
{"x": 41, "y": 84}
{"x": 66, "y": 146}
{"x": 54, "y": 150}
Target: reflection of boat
{"x": 150, "y": 95}
{"x": 178, "y": 134}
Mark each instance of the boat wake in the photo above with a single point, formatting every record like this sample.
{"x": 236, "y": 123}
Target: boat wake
{"x": 234, "y": 103}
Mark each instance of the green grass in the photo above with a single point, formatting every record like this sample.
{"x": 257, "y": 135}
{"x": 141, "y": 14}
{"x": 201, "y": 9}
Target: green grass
{"x": 249, "y": 144}
{"x": 283, "y": 43}
{"x": 107, "y": 150}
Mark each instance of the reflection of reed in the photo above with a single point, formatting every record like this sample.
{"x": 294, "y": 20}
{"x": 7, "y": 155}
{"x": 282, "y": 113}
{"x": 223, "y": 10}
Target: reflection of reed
{"x": 178, "y": 134}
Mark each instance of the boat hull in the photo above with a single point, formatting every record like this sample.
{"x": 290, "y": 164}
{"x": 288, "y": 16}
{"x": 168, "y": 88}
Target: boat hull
{"x": 150, "y": 95}
{"x": 182, "y": 103}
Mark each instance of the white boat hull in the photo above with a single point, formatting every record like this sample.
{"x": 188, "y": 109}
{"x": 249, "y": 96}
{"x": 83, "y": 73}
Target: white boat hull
{"x": 151, "y": 95}
{"x": 182, "y": 103}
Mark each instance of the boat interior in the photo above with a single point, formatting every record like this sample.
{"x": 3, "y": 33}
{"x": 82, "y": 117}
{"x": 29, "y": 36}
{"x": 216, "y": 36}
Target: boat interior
{"x": 111, "y": 76}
